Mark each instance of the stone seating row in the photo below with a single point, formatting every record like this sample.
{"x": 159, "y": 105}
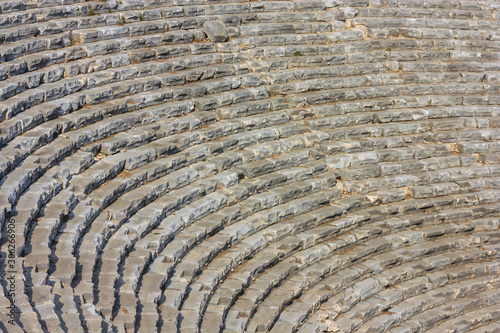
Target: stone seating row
{"x": 66, "y": 107}
{"x": 385, "y": 322}
{"x": 59, "y": 26}
{"x": 19, "y": 5}
{"x": 25, "y": 12}
{"x": 466, "y": 5}
{"x": 173, "y": 248}
{"x": 91, "y": 51}
{"x": 473, "y": 10}
{"x": 118, "y": 125}
{"x": 184, "y": 268}
{"x": 18, "y": 87}
{"x": 295, "y": 307}
{"x": 396, "y": 146}
{"x": 255, "y": 301}
{"x": 77, "y": 52}
{"x": 252, "y": 302}
{"x": 440, "y": 279}
{"x": 476, "y": 137}
{"x": 464, "y": 23}
{"x": 160, "y": 154}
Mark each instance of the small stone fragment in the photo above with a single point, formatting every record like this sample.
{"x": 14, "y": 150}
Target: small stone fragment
{"x": 216, "y": 31}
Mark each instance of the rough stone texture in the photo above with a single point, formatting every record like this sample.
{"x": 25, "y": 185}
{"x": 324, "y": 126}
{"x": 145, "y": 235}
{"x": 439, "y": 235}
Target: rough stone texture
{"x": 250, "y": 166}
{"x": 216, "y": 31}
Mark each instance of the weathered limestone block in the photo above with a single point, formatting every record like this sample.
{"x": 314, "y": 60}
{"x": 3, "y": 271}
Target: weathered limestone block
{"x": 216, "y": 31}
{"x": 360, "y": 172}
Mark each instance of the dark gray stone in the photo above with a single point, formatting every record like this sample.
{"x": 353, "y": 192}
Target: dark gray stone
{"x": 216, "y": 31}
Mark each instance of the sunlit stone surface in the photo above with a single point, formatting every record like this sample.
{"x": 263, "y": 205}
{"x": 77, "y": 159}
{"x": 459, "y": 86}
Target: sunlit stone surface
{"x": 249, "y": 166}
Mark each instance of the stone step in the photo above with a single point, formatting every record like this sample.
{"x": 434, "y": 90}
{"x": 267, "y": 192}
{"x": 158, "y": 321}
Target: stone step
{"x": 493, "y": 327}
{"x": 15, "y": 50}
{"x": 471, "y": 319}
{"x": 270, "y": 280}
{"x": 469, "y": 10}
{"x": 377, "y": 72}
{"x": 40, "y": 60}
{"x": 482, "y": 21}
{"x": 291, "y": 52}
{"x": 66, "y": 148}
{"x": 413, "y": 181}
{"x": 280, "y": 28}
{"x": 373, "y": 306}
{"x": 46, "y": 24}
{"x": 195, "y": 225}
{"x": 86, "y": 191}
{"x": 77, "y": 119}
{"x": 182, "y": 214}
{"x": 92, "y": 94}
{"x": 310, "y": 298}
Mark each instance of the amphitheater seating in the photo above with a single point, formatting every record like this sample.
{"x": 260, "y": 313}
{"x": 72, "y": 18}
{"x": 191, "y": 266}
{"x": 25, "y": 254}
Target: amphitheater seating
{"x": 331, "y": 166}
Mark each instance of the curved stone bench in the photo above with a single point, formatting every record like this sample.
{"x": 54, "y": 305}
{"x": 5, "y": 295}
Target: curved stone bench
{"x": 34, "y": 156}
{"x": 271, "y": 275}
{"x": 384, "y": 300}
{"x": 487, "y": 327}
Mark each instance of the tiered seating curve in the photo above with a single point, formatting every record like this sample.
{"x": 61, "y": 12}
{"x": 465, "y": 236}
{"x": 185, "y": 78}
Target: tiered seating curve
{"x": 314, "y": 166}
